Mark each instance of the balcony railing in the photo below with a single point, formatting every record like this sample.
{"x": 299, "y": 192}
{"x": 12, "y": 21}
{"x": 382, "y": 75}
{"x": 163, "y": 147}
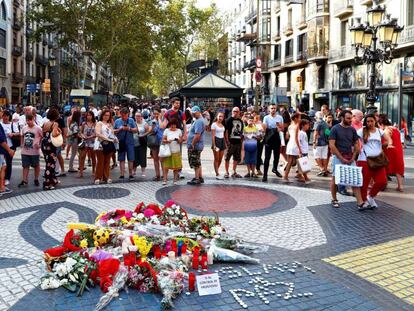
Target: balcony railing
{"x": 317, "y": 51}
{"x": 407, "y": 35}
{"x": 30, "y": 79}
{"x": 252, "y": 15}
{"x": 274, "y": 63}
{"x": 29, "y": 56}
{"x": 288, "y": 29}
{"x": 18, "y": 77}
{"x": 42, "y": 60}
{"x": 344, "y": 53}
{"x": 17, "y": 24}
{"x": 343, "y": 8}
{"x": 320, "y": 8}
{"x": 250, "y": 64}
{"x": 17, "y": 50}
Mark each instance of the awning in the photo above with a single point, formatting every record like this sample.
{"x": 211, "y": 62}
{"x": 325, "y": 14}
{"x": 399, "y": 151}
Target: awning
{"x": 130, "y": 96}
{"x": 81, "y": 93}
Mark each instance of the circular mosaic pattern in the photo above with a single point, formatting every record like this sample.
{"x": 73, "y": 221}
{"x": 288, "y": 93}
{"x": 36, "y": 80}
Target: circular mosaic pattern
{"x": 227, "y": 200}
{"x": 102, "y": 193}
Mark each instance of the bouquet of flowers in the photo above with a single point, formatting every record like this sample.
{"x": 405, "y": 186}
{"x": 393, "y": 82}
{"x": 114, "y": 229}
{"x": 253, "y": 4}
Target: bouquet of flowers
{"x": 174, "y": 216}
{"x": 171, "y": 284}
{"x": 208, "y": 227}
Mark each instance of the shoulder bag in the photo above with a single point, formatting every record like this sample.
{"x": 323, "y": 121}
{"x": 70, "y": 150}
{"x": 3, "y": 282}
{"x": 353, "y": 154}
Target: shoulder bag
{"x": 165, "y": 151}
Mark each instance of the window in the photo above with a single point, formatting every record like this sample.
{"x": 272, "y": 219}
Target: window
{"x": 321, "y": 77}
{"x": 3, "y": 11}
{"x": 344, "y": 32}
{"x": 277, "y": 52}
{"x": 2, "y": 67}
{"x": 289, "y": 48}
{"x": 301, "y": 43}
{"x": 410, "y": 12}
{"x": 288, "y": 82}
{"x": 3, "y": 39}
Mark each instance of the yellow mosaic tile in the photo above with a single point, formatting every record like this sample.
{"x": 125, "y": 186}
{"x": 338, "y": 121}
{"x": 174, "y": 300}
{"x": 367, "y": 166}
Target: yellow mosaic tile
{"x": 388, "y": 265}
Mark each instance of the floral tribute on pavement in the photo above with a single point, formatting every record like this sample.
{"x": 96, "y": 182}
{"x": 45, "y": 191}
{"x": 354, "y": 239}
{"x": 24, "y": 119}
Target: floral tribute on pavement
{"x": 150, "y": 249}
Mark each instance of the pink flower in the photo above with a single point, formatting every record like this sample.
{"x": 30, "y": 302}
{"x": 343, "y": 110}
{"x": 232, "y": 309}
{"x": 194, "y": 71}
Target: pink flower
{"x": 148, "y": 212}
{"x": 169, "y": 203}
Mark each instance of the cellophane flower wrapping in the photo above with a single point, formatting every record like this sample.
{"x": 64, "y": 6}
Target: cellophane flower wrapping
{"x": 119, "y": 282}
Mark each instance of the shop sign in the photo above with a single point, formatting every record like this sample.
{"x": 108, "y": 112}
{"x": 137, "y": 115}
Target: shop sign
{"x": 321, "y": 96}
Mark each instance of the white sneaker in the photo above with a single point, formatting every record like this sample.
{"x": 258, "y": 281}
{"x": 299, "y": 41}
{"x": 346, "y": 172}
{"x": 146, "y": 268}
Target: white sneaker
{"x": 7, "y": 182}
{"x": 371, "y": 201}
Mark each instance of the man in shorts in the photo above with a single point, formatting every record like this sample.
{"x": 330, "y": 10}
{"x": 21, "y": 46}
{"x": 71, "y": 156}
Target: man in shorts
{"x": 124, "y": 128}
{"x": 234, "y": 138}
{"x": 344, "y": 145}
{"x": 30, "y": 143}
{"x": 195, "y": 145}
{"x": 320, "y": 144}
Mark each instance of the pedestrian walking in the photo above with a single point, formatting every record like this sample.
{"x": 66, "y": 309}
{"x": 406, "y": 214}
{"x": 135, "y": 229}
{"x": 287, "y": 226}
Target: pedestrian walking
{"x": 371, "y": 138}
{"x": 4, "y": 150}
{"x": 304, "y": 126}
{"x": 104, "y": 147}
{"x": 124, "y": 129}
{"x": 172, "y": 136}
{"x": 73, "y": 138}
{"x": 30, "y": 142}
{"x": 344, "y": 145}
{"x": 12, "y": 133}
{"x": 87, "y": 134}
{"x": 251, "y": 136}
{"x": 395, "y": 155}
{"x": 218, "y": 144}
{"x": 195, "y": 145}
{"x": 154, "y": 142}
{"x": 272, "y": 127}
{"x": 233, "y": 136}
{"x": 50, "y": 129}
{"x": 140, "y": 143}
{"x": 259, "y": 161}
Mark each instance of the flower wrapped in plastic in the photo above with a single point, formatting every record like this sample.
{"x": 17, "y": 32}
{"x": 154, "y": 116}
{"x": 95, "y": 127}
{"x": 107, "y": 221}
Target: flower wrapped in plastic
{"x": 118, "y": 283}
{"x": 171, "y": 285}
{"x": 227, "y": 255}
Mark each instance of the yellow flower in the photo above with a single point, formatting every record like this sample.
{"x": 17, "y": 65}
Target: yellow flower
{"x": 142, "y": 245}
{"x": 100, "y": 216}
{"x": 96, "y": 244}
{"x": 124, "y": 220}
{"x": 80, "y": 226}
{"x": 84, "y": 243}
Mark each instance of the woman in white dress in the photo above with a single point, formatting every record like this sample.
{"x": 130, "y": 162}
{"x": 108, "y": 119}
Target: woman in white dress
{"x": 293, "y": 149}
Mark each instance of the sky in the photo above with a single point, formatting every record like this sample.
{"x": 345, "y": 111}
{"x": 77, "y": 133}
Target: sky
{"x": 221, "y": 4}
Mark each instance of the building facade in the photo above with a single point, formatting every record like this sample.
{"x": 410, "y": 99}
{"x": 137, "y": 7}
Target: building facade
{"x": 307, "y": 57}
{"x": 6, "y": 16}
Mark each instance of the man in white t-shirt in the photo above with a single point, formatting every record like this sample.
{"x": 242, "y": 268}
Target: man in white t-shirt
{"x": 272, "y": 125}
{"x": 29, "y": 110}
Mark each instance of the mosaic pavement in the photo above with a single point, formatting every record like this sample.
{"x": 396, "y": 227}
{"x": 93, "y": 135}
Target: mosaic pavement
{"x": 361, "y": 261}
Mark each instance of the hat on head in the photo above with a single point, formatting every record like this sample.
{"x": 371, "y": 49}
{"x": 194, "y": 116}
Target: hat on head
{"x": 195, "y": 109}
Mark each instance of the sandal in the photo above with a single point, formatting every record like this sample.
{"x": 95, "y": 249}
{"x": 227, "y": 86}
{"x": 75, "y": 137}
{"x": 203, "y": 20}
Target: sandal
{"x": 22, "y": 183}
{"x": 399, "y": 189}
{"x": 235, "y": 175}
{"x": 335, "y": 203}
{"x": 226, "y": 175}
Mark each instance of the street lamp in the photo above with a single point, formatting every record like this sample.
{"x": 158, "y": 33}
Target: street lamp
{"x": 364, "y": 39}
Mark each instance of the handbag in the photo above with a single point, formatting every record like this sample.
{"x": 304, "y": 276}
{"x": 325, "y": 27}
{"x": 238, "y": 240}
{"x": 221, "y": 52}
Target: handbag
{"x": 165, "y": 151}
{"x": 82, "y": 144}
{"x": 108, "y": 146}
{"x": 136, "y": 140}
{"x": 57, "y": 141}
{"x": 304, "y": 164}
{"x": 15, "y": 139}
{"x": 377, "y": 162}
{"x": 152, "y": 141}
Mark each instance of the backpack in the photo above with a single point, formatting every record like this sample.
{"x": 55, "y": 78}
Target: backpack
{"x": 178, "y": 116}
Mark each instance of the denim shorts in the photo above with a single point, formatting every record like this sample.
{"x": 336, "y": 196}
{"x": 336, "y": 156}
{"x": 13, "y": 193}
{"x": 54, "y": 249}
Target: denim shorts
{"x": 336, "y": 161}
{"x": 129, "y": 152}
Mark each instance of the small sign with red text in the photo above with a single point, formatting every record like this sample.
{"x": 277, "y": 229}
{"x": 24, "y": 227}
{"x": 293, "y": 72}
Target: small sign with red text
{"x": 208, "y": 284}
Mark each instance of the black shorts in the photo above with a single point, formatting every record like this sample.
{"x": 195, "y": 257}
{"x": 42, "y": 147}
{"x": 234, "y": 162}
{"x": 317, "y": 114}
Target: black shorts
{"x": 219, "y": 142}
{"x": 30, "y": 160}
{"x": 235, "y": 151}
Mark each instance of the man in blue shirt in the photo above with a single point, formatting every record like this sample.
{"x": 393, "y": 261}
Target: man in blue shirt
{"x": 195, "y": 144}
{"x": 124, "y": 129}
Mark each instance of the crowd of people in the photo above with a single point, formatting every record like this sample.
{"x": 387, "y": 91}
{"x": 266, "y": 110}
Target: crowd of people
{"x": 132, "y": 134}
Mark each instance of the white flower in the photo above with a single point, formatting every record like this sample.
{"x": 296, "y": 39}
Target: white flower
{"x": 61, "y": 269}
{"x": 171, "y": 212}
{"x": 49, "y": 283}
{"x": 140, "y": 216}
{"x": 111, "y": 221}
{"x": 174, "y": 206}
{"x": 72, "y": 278}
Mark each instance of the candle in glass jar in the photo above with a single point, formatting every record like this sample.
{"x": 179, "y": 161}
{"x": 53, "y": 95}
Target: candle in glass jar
{"x": 204, "y": 261}
{"x": 196, "y": 254}
{"x": 191, "y": 281}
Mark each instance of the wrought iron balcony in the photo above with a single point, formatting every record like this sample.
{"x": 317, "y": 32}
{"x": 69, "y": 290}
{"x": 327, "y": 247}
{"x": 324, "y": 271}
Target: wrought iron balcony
{"x": 343, "y": 8}
{"x": 17, "y": 50}
{"x": 41, "y": 60}
{"x": 18, "y": 77}
{"x": 252, "y": 15}
{"x": 17, "y": 24}
{"x": 29, "y": 56}
{"x": 317, "y": 51}
{"x": 250, "y": 64}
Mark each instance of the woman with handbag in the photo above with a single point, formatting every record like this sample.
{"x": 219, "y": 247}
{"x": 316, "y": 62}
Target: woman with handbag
{"x": 293, "y": 148}
{"x": 140, "y": 143}
{"x": 372, "y": 159}
{"x": 51, "y": 136}
{"x": 395, "y": 155}
{"x": 172, "y": 139}
{"x": 87, "y": 134}
{"x": 74, "y": 127}
{"x": 104, "y": 147}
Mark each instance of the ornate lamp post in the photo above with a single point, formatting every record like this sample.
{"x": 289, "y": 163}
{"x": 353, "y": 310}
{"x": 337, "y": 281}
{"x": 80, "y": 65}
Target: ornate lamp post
{"x": 364, "y": 39}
